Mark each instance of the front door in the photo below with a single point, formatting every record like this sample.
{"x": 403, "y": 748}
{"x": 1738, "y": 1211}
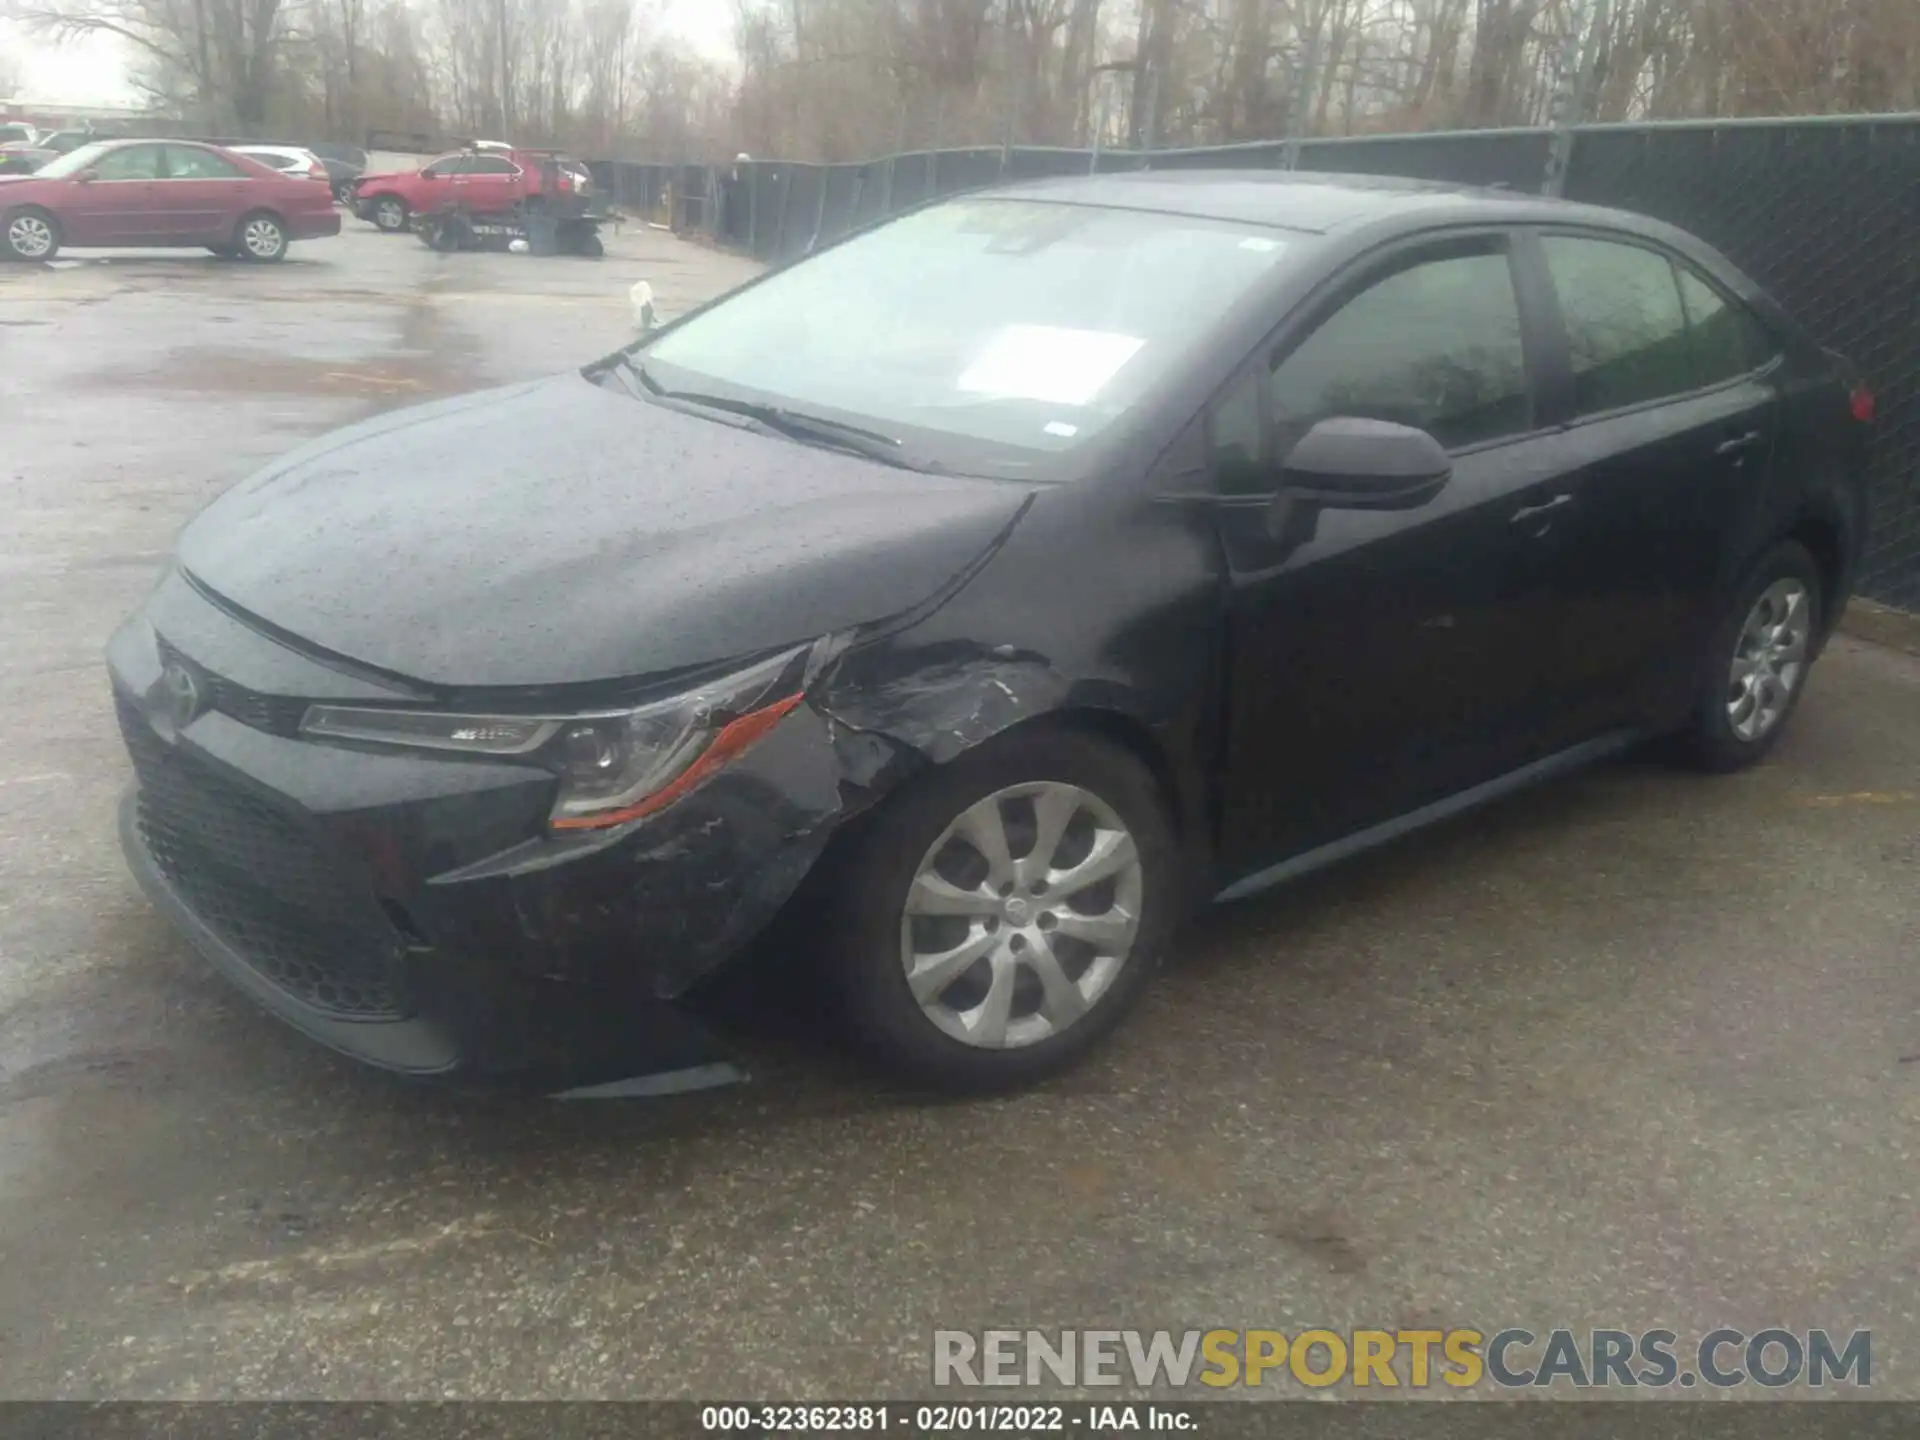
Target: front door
{"x": 116, "y": 206}
{"x": 1383, "y": 660}
{"x": 434, "y": 186}
{"x": 201, "y": 196}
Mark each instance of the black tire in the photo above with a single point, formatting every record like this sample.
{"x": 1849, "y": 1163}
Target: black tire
{"x": 38, "y": 221}
{"x": 590, "y": 246}
{"x": 389, "y": 213}
{"x": 1711, "y": 740}
{"x": 871, "y": 879}
{"x": 261, "y": 238}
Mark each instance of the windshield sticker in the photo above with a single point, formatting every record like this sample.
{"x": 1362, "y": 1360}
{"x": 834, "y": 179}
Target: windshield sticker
{"x": 1259, "y": 243}
{"x": 1061, "y": 428}
{"x": 1043, "y": 362}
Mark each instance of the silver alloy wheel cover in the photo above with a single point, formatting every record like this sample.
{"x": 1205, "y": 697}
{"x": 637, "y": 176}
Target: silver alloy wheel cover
{"x": 1012, "y": 931}
{"x": 30, "y": 236}
{"x": 387, "y": 214}
{"x": 1769, "y": 659}
{"x": 263, "y": 238}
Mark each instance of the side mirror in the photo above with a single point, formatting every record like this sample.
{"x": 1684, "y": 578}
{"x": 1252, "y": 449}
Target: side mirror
{"x": 1346, "y": 463}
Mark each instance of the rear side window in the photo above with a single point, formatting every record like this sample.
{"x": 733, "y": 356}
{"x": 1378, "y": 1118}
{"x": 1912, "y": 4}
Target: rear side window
{"x": 1436, "y": 345}
{"x": 1727, "y": 341}
{"x": 1625, "y": 325}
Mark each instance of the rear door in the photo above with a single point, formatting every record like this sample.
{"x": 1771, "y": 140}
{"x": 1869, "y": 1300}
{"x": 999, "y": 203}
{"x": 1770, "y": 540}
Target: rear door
{"x": 203, "y": 195}
{"x": 1385, "y": 660}
{"x": 118, "y": 206}
{"x": 1671, "y": 430}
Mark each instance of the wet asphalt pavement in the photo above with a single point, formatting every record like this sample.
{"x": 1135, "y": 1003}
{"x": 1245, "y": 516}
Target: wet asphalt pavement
{"x": 1639, "y": 1049}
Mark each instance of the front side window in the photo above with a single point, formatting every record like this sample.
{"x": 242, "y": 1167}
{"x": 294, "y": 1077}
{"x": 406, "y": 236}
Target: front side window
{"x": 1023, "y": 325}
{"x": 1625, "y": 327}
{"x": 1436, "y": 346}
{"x": 489, "y": 165}
{"x": 131, "y": 162}
{"x": 73, "y": 162}
{"x": 441, "y": 169}
{"x": 184, "y": 162}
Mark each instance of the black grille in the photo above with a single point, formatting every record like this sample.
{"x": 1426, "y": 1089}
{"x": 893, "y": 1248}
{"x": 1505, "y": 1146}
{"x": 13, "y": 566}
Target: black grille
{"x": 266, "y": 886}
{"x": 276, "y": 714}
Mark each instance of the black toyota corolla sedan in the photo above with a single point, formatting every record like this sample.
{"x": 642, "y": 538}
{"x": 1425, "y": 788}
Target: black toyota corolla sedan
{"x": 1002, "y": 581}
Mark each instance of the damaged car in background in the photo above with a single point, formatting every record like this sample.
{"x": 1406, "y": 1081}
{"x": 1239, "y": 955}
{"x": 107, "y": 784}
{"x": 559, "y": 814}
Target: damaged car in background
{"x": 998, "y": 583}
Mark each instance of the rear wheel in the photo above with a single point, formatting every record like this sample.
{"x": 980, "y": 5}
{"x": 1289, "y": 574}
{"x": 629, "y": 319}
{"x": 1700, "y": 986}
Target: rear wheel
{"x": 390, "y": 214}
{"x": 1760, "y": 657}
{"x": 996, "y": 918}
{"x": 261, "y": 238}
{"x": 32, "y": 234}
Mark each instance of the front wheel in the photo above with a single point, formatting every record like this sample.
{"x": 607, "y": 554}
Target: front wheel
{"x": 262, "y": 239}
{"x": 32, "y": 234}
{"x": 997, "y": 917}
{"x": 1761, "y": 653}
{"x": 390, "y": 214}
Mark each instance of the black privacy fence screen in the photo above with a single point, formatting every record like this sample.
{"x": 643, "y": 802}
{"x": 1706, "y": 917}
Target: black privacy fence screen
{"x": 1824, "y": 212}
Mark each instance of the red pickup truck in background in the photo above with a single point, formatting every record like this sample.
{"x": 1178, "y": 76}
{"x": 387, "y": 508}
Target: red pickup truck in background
{"x": 481, "y": 182}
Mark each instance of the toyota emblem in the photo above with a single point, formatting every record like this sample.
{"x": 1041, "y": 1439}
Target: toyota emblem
{"x": 182, "y": 692}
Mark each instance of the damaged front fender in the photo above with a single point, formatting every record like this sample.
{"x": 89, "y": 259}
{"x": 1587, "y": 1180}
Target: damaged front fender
{"x": 674, "y": 896}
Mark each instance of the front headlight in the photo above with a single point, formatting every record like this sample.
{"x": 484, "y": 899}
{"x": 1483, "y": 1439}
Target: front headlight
{"x": 614, "y": 765}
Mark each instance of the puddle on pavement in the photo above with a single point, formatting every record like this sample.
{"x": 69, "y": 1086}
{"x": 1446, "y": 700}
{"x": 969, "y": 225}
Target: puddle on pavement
{"x": 224, "y": 372}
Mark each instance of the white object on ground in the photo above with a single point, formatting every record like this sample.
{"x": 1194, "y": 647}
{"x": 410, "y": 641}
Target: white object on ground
{"x": 643, "y": 313}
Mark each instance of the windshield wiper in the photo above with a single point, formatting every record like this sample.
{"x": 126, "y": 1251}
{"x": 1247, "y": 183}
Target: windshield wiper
{"x": 794, "y": 424}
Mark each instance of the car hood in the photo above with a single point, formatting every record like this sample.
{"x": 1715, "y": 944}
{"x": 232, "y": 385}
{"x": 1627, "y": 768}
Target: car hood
{"x": 559, "y": 532}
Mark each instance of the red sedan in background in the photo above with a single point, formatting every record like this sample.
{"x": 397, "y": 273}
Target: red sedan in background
{"x": 160, "y": 193}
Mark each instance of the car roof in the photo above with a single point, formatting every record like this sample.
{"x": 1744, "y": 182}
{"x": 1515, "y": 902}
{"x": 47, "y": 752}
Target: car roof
{"x": 1310, "y": 202}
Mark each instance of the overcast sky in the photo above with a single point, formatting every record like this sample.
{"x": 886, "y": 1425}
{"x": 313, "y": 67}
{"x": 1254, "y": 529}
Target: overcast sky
{"x": 93, "y": 72}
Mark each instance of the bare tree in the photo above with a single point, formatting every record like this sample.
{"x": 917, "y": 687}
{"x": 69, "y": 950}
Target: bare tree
{"x": 222, "y": 56}
{"x": 851, "y": 79}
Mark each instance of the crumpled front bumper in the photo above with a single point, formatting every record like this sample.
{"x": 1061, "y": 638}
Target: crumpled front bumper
{"x": 413, "y": 911}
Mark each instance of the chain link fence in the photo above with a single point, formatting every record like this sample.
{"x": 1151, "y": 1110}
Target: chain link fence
{"x": 1824, "y": 212}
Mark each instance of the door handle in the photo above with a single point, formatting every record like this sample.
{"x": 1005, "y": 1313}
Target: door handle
{"x": 1737, "y": 443}
{"x": 1528, "y": 514}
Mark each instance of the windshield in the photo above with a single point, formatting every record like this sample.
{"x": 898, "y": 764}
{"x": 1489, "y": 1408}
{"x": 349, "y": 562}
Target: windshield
{"x": 73, "y": 162}
{"x": 1026, "y": 325}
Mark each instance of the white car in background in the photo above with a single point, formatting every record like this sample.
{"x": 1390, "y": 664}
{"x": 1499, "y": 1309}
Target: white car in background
{"x": 289, "y": 160}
